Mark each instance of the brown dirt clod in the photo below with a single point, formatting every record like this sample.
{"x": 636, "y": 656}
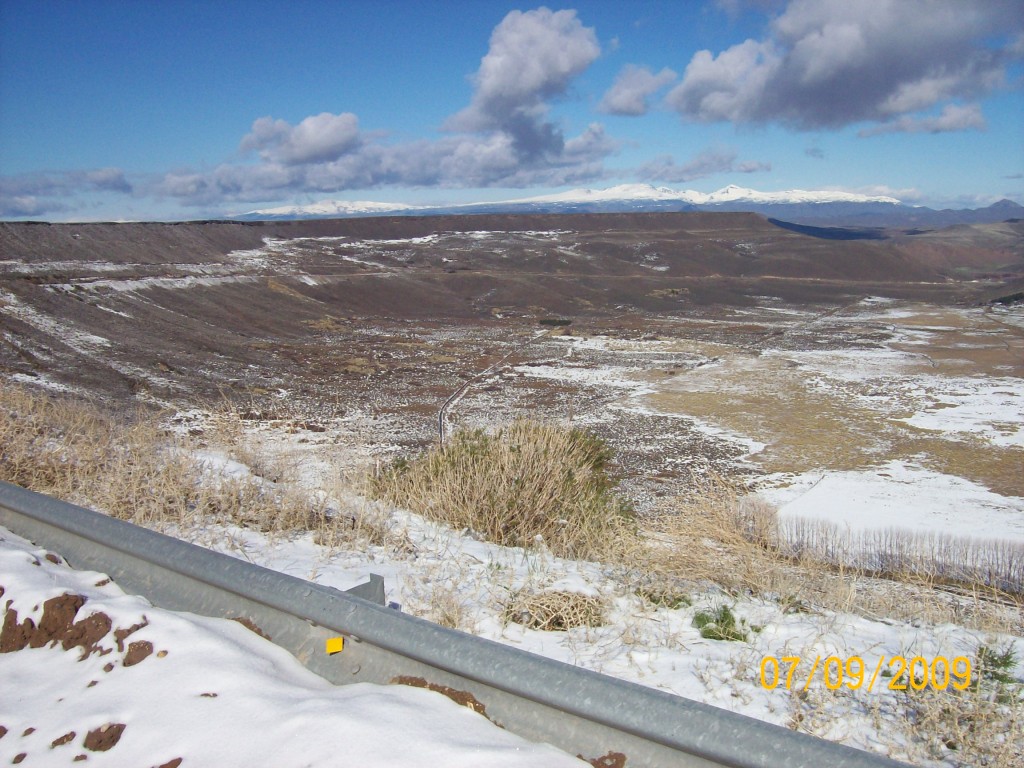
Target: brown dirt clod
{"x": 105, "y": 737}
{"x": 137, "y": 651}
{"x": 58, "y": 616}
{"x": 121, "y": 634}
{"x": 611, "y": 760}
{"x": 57, "y": 625}
{"x": 61, "y": 740}
{"x": 15, "y": 636}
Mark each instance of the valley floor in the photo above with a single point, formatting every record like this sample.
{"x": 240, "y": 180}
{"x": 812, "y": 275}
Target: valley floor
{"x": 851, "y": 416}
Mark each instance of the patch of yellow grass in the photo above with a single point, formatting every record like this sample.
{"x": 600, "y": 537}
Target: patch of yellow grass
{"x": 525, "y": 484}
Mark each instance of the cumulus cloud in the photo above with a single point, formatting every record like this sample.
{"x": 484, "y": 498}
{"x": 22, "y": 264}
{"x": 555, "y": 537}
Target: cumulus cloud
{"x": 504, "y": 137}
{"x": 632, "y": 88}
{"x": 110, "y": 179}
{"x": 533, "y": 56}
{"x": 706, "y": 163}
{"x": 65, "y": 182}
{"x": 830, "y": 63}
{"x": 953, "y": 118}
{"x": 319, "y": 138}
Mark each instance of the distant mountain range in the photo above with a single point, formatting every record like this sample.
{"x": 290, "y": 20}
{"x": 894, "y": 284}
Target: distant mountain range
{"x": 820, "y": 208}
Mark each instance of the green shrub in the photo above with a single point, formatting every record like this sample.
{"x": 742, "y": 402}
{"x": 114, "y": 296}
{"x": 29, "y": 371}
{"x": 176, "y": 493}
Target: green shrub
{"x": 720, "y": 624}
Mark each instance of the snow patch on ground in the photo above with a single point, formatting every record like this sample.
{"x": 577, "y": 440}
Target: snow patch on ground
{"x": 991, "y": 409}
{"x": 901, "y": 494}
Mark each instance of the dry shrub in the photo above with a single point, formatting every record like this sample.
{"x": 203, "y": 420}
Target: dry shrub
{"x": 982, "y": 726}
{"x": 521, "y": 485}
{"x": 74, "y": 450}
{"x": 554, "y": 611}
{"x": 448, "y": 608}
{"x": 365, "y": 523}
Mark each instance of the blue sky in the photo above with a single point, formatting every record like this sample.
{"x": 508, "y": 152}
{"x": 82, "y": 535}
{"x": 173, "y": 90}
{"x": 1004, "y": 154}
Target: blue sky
{"x": 179, "y": 110}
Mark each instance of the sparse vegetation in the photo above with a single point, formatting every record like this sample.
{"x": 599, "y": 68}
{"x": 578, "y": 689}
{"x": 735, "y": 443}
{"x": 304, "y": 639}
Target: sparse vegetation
{"x": 526, "y": 484}
{"x": 716, "y": 535}
{"x": 927, "y": 556}
{"x": 129, "y": 467}
{"x": 981, "y": 725}
{"x": 530, "y": 475}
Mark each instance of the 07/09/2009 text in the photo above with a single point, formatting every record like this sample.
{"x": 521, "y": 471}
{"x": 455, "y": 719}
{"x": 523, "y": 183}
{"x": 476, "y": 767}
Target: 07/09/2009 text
{"x": 898, "y": 672}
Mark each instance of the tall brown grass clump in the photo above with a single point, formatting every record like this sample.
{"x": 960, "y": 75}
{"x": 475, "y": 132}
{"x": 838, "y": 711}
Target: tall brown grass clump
{"x": 526, "y": 483}
{"x": 74, "y": 450}
{"x": 925, "y": 556}
{"x": 127, "y": 466}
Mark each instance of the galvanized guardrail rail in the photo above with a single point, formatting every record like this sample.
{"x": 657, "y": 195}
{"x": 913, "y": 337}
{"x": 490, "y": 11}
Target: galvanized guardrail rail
{"x": 579, "y": 711}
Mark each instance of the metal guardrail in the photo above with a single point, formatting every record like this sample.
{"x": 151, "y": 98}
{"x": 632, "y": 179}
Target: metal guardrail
{"x": 579, "y": 711}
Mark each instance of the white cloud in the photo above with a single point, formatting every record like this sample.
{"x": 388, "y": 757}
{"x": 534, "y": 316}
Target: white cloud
{"x": 830, "y": 63}
{"x": 632, "y": 88}
{"x": 319, "y": 138}
{"x": 533, "y": 57}
{"x": 502, "y": 138}
{"x": 36, "y": 194}
{"x": 953, "y": 118}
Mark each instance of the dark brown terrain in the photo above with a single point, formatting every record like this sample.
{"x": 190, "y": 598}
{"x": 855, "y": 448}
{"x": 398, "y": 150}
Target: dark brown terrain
{"x": 387, "y": 317}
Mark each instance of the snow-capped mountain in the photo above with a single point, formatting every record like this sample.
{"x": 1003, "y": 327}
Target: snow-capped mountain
{"x": 329, "y": 209}
{"x": 812, "y": 207}
{"x": 729, "y": 194}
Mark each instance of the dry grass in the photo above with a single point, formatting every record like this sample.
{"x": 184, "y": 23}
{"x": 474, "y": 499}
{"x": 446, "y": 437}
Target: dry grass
{"x": 932, "y": 557}
{"x": 977, "y": 727}
{"x": 717, "y": 535}
{"x": 128, "y": 467}
{"x": 980, "y": 726}
{"x": 554, "y": 610}
{"x": 526, "y": 484}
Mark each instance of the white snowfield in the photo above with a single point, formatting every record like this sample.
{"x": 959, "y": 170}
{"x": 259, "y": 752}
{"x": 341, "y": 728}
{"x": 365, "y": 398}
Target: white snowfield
{"x": 903, "y": 494}
{"x": 211, "y": 693}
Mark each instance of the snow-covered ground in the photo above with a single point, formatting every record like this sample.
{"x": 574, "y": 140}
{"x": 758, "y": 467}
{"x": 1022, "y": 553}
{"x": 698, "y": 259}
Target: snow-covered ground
{"x": 165, "y": 688}
{"x": 905, "y": 495}
{"x": 450, "y": 576}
